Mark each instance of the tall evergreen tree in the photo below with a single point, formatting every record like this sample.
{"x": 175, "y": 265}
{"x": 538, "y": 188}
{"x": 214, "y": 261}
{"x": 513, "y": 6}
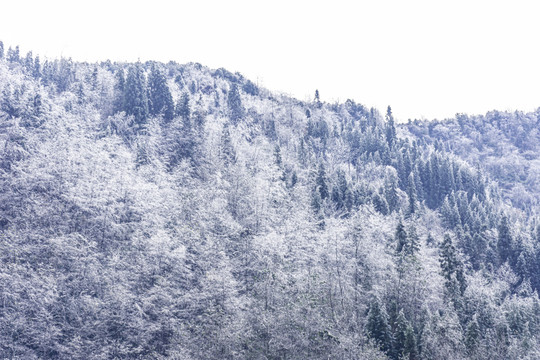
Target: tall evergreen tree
{"x": 119, "y": 92}
{"x": 472, "y": 336}
{"x": 404, "y": 346}
{"x": 504, "y": 240}
{"x": 452, "y": 270}
{"x": 234, "y": 101}
{"x": 380, "y": 204}
{"x": 413, "y": 242}
{"x": 29, "y": 63}
{"x": 227, "y": 151}
{"x": 377, "y": 325}
{"x": 410, "y": 351}
{"x": 182, "y": 108}
{"x": 320, "y": 182}
{"x": 411, "y": 192}
{"x": 1, "y": 50}
{"x": 390, "y": 130}
{"x": 401, "y": 238}
{"x": 136, "y": 101}
{"x": 434, "y": 182}
{"x": 36, "y": 72}
{"x": 318, "y": 103}
{"x": 390, "y": 189}
{"x": 345, "y": 197}
{"x": 13, "y": 54}
{"x": 160, "y": 99}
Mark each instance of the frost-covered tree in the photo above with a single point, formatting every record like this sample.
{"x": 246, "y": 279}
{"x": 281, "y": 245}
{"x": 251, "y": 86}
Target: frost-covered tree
{"x": 234, "y": 102}
{"x": 504, "y": 240}
{"x": 160, "y": 100}
{"x": 321, "y": 182}
{"x": 377, "y": 325}
{"x": 390, "y": 130}
{"x": 268, "y": 236}
{"x": 183, "y": 109}
{"x": 135, "y": 94}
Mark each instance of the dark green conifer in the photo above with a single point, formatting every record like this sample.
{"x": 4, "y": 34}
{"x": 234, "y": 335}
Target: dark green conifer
{"x": 234, "y": 102}
{"x": 472, "y": 335}
{"x": 401, "y": 238}
{"x": 36, "y": 72}
{"x": 504, "y": 240}
{"x": 136, "y": 101}
{"x": 183, "y": 109}
{"x": 377, "y": 325}
{"x": 160, "y": 98}
{"x": 320, "y": 182}
{"x": 390, "y": 130}
{"x": 411, "y": 192}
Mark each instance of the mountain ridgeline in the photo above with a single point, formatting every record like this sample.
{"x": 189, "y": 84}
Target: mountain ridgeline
{"x": 167, "y": 211}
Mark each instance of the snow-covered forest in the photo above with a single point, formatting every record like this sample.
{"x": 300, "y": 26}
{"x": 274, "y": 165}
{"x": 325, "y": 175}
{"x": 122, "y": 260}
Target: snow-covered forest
{"x": 168, "y": 211}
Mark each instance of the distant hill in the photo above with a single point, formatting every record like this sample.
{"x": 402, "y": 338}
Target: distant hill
{"x": 504, "y": 144}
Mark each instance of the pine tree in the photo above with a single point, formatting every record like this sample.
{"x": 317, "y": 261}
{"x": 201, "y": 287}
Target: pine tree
{"x": 450, "y": 212}
{"x": 320, "y": 182}
{"x": 36, "y": 72}
{"x": 377, "y": 325}
{"x": 401, "y": 238}
{"x": 448, "y": 259}
{"x": 228, "y": 153}
{"x": 183, "y": 109}
{"x": 318, "y": 103}
{"x": 94, "y": 80}
{"x": 316, "y": 201}
{"x": 410, "y": 351}
{"x": 160, "y": 99}
{"x": 136, "y": 101}
{"x": 336, "y": 197}
{"x": 270, "y": 128}
{"x": 411, "y": 192}
{"x": 380, "y": 204}
{"x": 478, "y": 250}
{"x": 401, "y": 337}
{"x": 390, "y": 189}
{"x": 413, "y": 242}
{"x": 472, "y": 335}
{"x": 390, "y": 127}
{"x": 13, "y": 54}
{"x": 143, "y": 157}
{"x": 434, "y": 181}
{"x": 452, "y": 270}
{"x": 345, "y": 196}
{"x": 504, "y": 240}
{"x": 29, "y": 62}
{"x": 236, "y": 109}
{"x": 1, "y": 50}
{"x": 119, "y": 92}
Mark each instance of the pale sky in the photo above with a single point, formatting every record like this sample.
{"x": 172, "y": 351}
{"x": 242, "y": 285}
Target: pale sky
{"x": 427, "y": 59}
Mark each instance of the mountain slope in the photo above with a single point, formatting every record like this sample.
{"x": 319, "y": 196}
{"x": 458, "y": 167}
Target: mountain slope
{"x": 174, "y": 211}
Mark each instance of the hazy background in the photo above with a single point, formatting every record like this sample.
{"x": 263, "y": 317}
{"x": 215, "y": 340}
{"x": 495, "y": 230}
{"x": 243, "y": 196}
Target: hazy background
{"x": 427, "y": 59}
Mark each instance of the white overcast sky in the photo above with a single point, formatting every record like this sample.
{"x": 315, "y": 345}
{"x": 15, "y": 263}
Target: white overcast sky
{"x": 427, "y": 59}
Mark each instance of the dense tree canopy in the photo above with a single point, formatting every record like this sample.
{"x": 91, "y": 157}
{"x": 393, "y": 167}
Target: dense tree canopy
{"x": 166, "y": 211}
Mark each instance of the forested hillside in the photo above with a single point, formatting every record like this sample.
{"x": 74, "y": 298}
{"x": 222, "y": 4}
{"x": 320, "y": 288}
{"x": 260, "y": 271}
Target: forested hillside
{"x": 506, "y": 145}
{"x": 167, "y": 211}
